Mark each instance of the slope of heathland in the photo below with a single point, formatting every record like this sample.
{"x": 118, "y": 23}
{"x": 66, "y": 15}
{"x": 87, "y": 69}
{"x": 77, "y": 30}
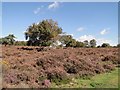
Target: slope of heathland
{"x": 39, "y": 67}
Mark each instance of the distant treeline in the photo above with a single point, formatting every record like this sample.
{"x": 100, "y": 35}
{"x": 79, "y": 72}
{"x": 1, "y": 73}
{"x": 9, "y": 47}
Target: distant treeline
{"x": 48, "y": 33}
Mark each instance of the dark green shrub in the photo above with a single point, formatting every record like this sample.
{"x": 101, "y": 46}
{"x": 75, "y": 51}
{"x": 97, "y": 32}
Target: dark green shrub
{"x": 105, "y": 45}
{"x": 58, "y": 77}
{"x": 80, "y": 44}
{"x": 41, "y": 78}
{"x": 71, "y": 69}
{"x": 21, "y": 43}
{"x": 46, "y": 43}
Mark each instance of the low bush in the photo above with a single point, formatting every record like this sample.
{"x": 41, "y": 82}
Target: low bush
{"x": 71, "y": 69}
{"x": 58, "y": 76}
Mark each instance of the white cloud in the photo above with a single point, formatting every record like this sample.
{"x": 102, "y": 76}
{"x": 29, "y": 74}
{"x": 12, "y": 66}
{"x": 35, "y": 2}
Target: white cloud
{"x": 81, "y": 29}
{"x": 104, "y": 31}
{"x": 100, "y": 41}
{"x": 70, "y": 34}
{"x": 67, "y": 34}
{"x": 86, "y": 37}
{"x": 37, "y": 11}
{"x": 53, "y": 5}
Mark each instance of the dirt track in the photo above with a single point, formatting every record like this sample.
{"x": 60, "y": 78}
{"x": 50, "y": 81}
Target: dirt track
{"x": 24, "y": 66}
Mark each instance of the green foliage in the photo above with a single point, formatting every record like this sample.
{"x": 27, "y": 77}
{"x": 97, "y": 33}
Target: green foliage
{"x": 86, "y": 43}
{"x": 4, "y": 41}
{"x": 59, "y": 81}
{"x": 41, "y": 78}
{"x": 10, "y": 39}
{"x": 105, "y": 45}
{"x": 68, "y": 40}
{"x": 21, "y": 43}
{"x": 93, "y": 43}
{"x": 65, "y": 39}
{"x": 71, "y": 43}
{"x": 58, "y": 76}
{"x": 80, "y": 44}
{"x": 0, "y": 40}
{"x": 48, "y": 43}
{"x": 42, "y": 32}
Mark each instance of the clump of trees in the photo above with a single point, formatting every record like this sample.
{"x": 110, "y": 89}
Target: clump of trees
{"x": 8, "y": 40}
{"x": 48, "y": 32}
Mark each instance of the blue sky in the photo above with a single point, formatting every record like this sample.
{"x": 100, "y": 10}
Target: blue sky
{"x": 82, "y": 20}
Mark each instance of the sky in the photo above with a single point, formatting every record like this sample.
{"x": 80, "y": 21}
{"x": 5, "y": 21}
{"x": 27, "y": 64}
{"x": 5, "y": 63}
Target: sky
{"x": 82, "y": 20}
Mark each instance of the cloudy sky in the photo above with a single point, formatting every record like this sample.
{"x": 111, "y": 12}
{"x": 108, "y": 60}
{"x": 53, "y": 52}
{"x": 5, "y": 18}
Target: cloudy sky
{"x": 84, "y": 21}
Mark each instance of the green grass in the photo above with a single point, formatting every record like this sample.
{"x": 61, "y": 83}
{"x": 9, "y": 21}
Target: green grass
{"x": 106, "y": 80}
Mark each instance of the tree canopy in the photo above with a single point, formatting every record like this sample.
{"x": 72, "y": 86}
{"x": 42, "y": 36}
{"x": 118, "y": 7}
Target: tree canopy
{"x": 10, "y": 39}
{"x": 93, "y": 43}
{"x": 105, "y": 45}
{"x": 44, "y": 31}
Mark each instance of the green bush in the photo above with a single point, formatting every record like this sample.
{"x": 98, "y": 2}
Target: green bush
{"x": 21, "y": 43}
{"x": 105, "y": 45}
{"x": 80, "y": 44}
{"x": 48, "y": 43}
{"x": 41, "y": 78}
{"x": 58, "y": 77}
{"x": 71, "y": 69}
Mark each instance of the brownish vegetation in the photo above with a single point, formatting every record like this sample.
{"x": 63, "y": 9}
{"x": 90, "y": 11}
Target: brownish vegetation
{"x": 38, "y": 67}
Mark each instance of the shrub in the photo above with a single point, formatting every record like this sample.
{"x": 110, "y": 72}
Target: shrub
{"x": 80, "y": 44}
{"x": 58, "y": 76}
{"x": 105, "y": 45}
{"x": 98, "y": 46}
{"x": 108, "y": 67}
{"x": 48, "y": 43}
{"x": 42, "y": 78}
{"x": 112, "y": 59}
{"x": 71, "y": 69}
{"x": 40, "y": 62}
{"x": 21, "y": 43}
